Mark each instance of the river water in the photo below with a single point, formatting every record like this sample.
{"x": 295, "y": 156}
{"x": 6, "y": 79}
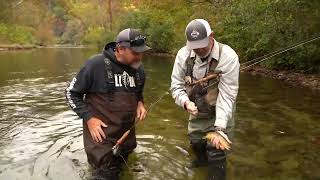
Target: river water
{"x": 277, "y": 134}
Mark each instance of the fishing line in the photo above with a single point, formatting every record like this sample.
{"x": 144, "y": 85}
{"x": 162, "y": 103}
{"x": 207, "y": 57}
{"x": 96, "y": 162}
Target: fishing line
{"x": 270, "y": 55}
{"x": 282, "y": 50}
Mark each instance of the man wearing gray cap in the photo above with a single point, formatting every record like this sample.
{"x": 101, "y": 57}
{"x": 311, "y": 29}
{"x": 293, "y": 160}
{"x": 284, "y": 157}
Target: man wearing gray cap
{"x": 205, "y": 83}
{"x": 107, "y": 93}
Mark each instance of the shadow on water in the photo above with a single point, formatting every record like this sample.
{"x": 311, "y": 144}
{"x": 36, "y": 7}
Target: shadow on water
{"x": 277, "y": 135}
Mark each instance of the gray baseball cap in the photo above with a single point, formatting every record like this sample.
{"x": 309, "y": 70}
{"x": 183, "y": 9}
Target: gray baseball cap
{"x": 197, "y": 34}
{"x": 133, "y": 39}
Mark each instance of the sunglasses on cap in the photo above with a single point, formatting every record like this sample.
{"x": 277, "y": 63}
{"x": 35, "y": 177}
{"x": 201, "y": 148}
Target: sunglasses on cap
{"x": 137, "y": 41}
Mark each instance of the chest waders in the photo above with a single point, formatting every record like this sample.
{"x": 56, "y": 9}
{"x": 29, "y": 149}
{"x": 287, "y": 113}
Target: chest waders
{"x": 204, "y": 95}
{"x": 117, "y": 109}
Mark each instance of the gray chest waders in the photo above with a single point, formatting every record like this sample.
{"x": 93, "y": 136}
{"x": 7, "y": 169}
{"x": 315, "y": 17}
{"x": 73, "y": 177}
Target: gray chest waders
{"x": 204, "y": 98}
{"x": 204, "y": 94}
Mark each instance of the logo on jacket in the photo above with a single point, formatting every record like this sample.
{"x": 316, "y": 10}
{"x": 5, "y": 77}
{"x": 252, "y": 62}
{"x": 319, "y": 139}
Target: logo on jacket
{"x": 124, "y": 79}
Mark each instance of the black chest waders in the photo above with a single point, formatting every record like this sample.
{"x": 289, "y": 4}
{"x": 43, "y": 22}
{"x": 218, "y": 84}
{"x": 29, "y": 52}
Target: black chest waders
{"x": 117, "y": 109}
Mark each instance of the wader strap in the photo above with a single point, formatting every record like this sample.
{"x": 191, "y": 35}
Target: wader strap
{"x": 190, "y": 64}
{"x": 110, "y": 77}
{"x": 213, "y": 65}
{"x": 139, "y": 80}
{"x": 214, "y": 62}
{"x": 139, "y": 77}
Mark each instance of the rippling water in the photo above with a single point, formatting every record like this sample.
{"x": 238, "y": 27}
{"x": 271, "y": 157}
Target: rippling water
{"x": 277, "y": 133}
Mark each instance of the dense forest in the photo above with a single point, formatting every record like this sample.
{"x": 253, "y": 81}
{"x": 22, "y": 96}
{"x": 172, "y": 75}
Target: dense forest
{"x": 253, "y": 28}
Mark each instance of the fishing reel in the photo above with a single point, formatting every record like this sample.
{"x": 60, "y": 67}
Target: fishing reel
{"x": 115, "y": 150}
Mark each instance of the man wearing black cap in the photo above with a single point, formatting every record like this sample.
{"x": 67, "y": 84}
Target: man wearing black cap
{"x": 211, "y": 103}
{"x": 107, "y": 94}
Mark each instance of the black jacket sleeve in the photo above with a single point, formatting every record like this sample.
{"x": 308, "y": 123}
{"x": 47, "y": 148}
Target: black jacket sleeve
{"x": 77, "y": 89}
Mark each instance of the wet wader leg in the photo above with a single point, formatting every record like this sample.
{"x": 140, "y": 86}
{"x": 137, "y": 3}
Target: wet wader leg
{"x": 208, "y": 155}
{"x": 110, "y": 168}
{"x": 217, "y": 163}
{"x": 199, "y": 150}
{"x": 198, "y": 144}
{"x": 215, "y": 159}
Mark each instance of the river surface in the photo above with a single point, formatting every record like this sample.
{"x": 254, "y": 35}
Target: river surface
{"x": 277, "y": 133}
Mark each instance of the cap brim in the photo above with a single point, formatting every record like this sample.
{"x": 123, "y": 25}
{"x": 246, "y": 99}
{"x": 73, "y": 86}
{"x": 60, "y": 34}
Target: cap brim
{"x": 198, "y": 44}
{"x": 140, "y": 49}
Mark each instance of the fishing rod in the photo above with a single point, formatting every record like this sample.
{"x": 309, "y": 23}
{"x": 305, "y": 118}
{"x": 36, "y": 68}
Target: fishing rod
{"x": 115, "y": 148}
{"x": 255, "y": 61}
{"x": 270, "y": 55}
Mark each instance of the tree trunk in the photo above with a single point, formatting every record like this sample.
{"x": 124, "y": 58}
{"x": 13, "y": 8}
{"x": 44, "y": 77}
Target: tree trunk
{"x": 110, "y": 14}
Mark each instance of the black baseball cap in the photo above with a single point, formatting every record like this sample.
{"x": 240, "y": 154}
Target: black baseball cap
{"x": 197, "y": 34}
{"x": 133, "y": 39}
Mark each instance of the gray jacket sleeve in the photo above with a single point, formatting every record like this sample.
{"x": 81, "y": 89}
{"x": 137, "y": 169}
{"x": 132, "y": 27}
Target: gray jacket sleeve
{"x": 228, "y": 87}
{"x": 178, "y": 89}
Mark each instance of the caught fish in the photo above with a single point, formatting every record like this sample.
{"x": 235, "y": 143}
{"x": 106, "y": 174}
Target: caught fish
{"x": 223, "y": 139}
